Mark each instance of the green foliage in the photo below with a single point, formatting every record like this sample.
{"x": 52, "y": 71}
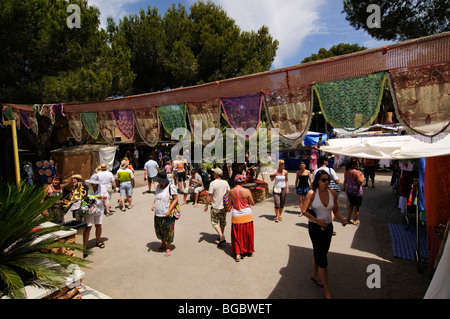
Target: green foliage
{"x": 44, "y": 61}
{"x": 21, "y": 249}
{"x": 335, "y": 50}
{"x": 185, "y": 48}
{"x": 400, "y": 20}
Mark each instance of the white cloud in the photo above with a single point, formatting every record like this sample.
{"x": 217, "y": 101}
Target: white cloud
{"x": 289, "y": 21}
{"x": 114, "y": 8}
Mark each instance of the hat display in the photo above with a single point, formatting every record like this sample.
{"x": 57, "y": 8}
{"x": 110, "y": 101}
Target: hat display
{"x": 161, "y": 178}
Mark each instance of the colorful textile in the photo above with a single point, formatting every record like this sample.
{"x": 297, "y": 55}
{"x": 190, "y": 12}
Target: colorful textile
{"x": 58, "y": 109}
{"x": 351, "y": 103}
{"x": 125, "y": 122}
{"x": 107, "y": 126}
{"x": 46, "y": 110}
{"x": 75, "y": 126}
{"x": 89, "y": 120}
{"x": 172, "y": 117}
{"x": 242, "y": 238}
{"x": 422, "y": 99}
{"x": 165, "y": 228}
{"x": 243, "y": 112}
{"x": 147, "y": 124}
{"x": 208, "y": 113}
{"x": 289, "y": 111}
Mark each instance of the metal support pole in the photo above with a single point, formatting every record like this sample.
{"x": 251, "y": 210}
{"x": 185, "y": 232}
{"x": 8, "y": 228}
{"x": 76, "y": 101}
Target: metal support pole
{"x": 15, "y": 148}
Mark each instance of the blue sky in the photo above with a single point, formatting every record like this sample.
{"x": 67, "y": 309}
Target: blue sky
{"x": 301, "y": 26}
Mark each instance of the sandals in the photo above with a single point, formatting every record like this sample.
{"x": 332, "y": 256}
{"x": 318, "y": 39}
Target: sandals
{"x": 100, "y": 245}
{"x": 317, "y": 282}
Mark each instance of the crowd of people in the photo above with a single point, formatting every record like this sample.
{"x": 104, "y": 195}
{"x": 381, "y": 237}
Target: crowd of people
{"x": 317, "y": 193}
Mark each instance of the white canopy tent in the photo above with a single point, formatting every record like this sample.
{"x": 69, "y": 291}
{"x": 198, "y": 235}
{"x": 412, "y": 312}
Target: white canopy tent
{"x": 387, "y": 147}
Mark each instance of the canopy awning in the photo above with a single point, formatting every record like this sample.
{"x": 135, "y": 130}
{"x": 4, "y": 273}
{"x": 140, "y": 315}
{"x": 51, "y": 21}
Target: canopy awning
{"x": 387, "y": 147}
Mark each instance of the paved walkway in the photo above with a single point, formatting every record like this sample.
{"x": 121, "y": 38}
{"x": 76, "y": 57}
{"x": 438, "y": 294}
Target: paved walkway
{"x": 130, "y": 266}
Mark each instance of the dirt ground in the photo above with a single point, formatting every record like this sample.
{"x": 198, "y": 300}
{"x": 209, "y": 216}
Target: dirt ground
{"x": 131, "y": 268}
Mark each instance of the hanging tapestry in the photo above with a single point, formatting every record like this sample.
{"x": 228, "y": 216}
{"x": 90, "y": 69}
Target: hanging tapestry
{"x": 147, "y": 125}
{"x": 289, "y": 111}
{"x": 422, "y": 99}
{"x": 243, "y": 112}
{"x": 172, "y": 117}
{"x": 89, "y": 120}
{"x": 125, "y": 122}
{"x": 45, "y": 110}
{"x": 75, "y": 126}
{"x": 351, "y": 103}
{"x": 29, "y": 120}
{"x": 107, "y": 126}
{"x": 58, "y": 109}
{"x": 207, "y": 114}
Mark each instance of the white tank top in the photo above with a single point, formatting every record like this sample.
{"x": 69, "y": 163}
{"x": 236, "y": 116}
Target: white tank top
{"x": 323, "y": 212}
{"x": 280, "y": 181}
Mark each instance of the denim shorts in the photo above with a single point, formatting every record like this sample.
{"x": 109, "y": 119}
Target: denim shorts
{"x": 302, "y": 191}
{"x": 126, "y": 189}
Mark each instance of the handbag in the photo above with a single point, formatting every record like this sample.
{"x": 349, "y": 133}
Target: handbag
{"x": 226, "y": 202}
{"x": 342, "y": 199}
{"x": 88, "y": 207}
{"x": 277, "y": 190}
{"x": 176, "y": 211}
{"x": 333, "y": 184}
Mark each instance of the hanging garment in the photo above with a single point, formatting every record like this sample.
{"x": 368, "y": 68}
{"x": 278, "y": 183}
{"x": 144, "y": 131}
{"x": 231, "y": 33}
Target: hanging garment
{"x": 208, "y": 114}
{"x": 422, "y": 100}
{"x": 243, "y": 112}
{"x": 58, "y": 109}
{"x": 107, "y": 126}
{"x": 172, "y": 117}
{"x": 89, "y": 120}
{"x": 75, "y": 126}
{"x": 351, "y": 103}
{"x": 125, "y": 122}
{"x": 147, "y": 124}
{"x": 289, "y": 111}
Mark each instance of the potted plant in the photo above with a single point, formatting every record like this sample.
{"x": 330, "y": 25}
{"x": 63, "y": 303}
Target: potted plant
{"x": 24, "y": 246}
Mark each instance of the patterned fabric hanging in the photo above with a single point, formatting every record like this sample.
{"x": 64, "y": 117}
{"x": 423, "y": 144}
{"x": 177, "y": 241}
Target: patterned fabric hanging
{"x": 289, "y": 111}
{"x": 75, "y": 126}
{"x": 172, "y": 117}
{"x": 125, "y": 122}
{"x": 351, "y": 103}
{"x": 58, "y": 109}
{"x": 89, "y": 120}
{"x": 208, "y": 113}
{"x": 107, "y": 126}
{"x": 46, "y": 110}
{"x": 243, "y": 112}
{"x": 422, "y": 99}
{"x": 147, "y": 125}
{"x": 25, "y": 118}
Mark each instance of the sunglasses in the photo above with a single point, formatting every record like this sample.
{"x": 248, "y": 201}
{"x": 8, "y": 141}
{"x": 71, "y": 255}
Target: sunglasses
{"x": 325, "y": 180}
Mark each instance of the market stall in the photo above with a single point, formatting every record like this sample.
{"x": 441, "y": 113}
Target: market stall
{"x": 81, "y": 159}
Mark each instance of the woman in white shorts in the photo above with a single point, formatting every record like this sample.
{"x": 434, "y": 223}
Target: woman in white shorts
{"x": 95, "y": 188}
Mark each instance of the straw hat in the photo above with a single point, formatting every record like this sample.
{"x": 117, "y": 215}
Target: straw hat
{"x": 218, "y": 171}
{"x": 123, "y": 164}
{"x": 77, "y": 176}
